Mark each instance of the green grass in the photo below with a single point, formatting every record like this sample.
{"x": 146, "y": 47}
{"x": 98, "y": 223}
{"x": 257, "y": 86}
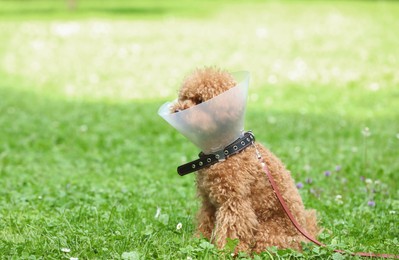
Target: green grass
{"x": 87, "y": 165}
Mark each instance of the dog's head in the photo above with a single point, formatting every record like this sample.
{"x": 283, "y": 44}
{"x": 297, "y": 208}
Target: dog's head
{"x": 210, "y": 108}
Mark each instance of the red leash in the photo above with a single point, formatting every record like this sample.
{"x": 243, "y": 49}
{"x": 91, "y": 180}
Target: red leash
{"x": 299, "y": 228}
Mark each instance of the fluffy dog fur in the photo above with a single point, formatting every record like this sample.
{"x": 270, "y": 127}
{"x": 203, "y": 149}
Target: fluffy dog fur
{"x": 238, "y": 201}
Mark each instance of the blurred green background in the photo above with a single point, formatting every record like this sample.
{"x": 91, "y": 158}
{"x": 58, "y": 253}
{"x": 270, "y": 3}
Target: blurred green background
{"x": 87, "y": 167}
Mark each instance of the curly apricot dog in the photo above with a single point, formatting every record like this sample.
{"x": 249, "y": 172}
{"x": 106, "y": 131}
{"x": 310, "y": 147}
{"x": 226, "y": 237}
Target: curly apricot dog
{"x": 238, "y": 201}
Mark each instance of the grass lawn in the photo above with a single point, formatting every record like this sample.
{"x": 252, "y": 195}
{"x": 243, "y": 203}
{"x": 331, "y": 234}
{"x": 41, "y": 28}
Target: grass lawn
{"x": 88, "y": 168}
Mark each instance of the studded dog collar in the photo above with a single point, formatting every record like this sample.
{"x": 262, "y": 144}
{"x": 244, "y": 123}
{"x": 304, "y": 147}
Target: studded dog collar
{"x": 206, "y": 160}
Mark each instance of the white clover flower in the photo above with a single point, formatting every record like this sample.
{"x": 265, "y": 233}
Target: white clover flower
{"x": 369, "y": 181}
{"x": 392, "y": 212}
{"x": 366, "y": 132}
{"x": 65, "y": 250}
{"x": 73, "y": 258}
{"x": 83, "y": 128}
{"x": 338, "y": 199}
{"x": 189, "y": 258}
{"x": 179, "y": 226}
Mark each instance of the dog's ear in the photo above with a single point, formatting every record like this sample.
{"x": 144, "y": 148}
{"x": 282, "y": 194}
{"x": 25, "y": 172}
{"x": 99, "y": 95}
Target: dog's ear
{"x": 181, "y": 105}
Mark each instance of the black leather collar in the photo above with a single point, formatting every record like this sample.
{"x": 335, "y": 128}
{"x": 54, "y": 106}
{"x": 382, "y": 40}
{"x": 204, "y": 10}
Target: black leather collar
{"x": 206, "y": 160}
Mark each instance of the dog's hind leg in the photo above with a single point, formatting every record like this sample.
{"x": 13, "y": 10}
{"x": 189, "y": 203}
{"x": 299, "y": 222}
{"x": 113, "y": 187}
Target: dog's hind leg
{"x": 275, "y": 232}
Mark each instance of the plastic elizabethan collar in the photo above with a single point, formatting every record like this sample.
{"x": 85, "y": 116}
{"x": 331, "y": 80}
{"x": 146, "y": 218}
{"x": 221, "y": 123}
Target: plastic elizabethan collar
{"x": 215, "y": 123}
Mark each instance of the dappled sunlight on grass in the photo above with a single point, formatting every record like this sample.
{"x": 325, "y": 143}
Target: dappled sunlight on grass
{"x": 284, "y": 45}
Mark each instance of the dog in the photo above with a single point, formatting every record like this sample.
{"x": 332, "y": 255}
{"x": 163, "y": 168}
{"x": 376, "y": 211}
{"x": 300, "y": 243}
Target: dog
{"x": 237, "y": 199}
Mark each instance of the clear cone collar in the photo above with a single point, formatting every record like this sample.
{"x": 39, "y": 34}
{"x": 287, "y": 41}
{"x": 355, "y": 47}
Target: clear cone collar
{"x": 216, "y": 123}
